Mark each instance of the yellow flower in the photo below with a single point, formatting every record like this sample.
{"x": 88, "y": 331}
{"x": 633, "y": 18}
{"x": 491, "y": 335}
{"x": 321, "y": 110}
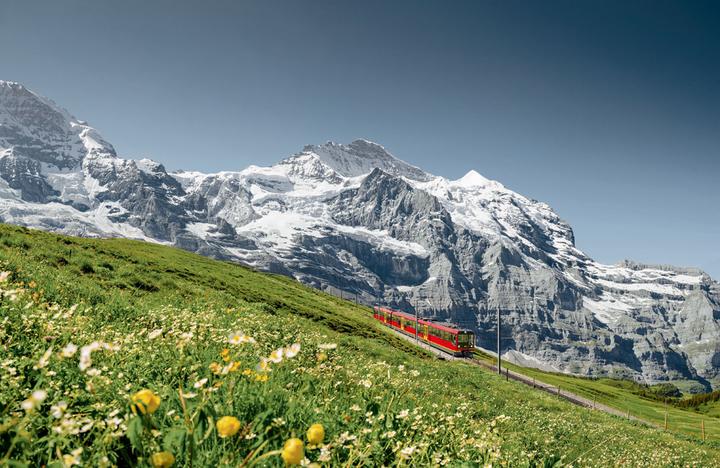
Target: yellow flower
{"x": 215, "y": 368}
{"x": 293, "y": 452}
{"x": 247, "y": 372}
{"x": 162, "y": 459}
{"x": 225, "y": 354}
{"x": 321, "y": 357}
{"x": 145, "y": 401}
{"x": 261, "y": 377}
{"x": 227, "y": 426}
{"x": 316, "y": 434}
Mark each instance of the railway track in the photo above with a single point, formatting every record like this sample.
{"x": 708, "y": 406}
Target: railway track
{"x": 529, "y": 381}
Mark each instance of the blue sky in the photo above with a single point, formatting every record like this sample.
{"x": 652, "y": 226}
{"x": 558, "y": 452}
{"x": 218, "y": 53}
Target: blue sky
{"x": 608, "y": 111}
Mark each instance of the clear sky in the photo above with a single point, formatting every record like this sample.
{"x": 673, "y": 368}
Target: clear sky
{"x": 609, "y": 111}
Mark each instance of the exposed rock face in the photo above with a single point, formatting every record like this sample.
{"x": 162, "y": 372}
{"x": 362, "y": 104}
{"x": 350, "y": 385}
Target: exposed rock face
{"x": 353, "y": 218}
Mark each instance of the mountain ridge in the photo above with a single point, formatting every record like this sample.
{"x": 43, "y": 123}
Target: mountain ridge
{"x": 354, "y": 218}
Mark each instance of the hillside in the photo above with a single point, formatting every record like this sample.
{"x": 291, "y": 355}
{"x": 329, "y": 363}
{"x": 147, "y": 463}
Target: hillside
{"x": 145, "y": 316}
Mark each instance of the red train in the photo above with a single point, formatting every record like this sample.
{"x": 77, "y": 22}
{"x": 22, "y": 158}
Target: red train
{"x": 451, "y": 340}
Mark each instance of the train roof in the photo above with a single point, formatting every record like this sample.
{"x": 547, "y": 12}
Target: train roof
{"x": 440, "y": 326}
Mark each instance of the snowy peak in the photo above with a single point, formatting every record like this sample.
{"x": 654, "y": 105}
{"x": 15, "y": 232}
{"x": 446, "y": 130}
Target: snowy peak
{"x": 361, "y": 157}
{"x": 472, "y": 179}
{"x": 35, "y": 128}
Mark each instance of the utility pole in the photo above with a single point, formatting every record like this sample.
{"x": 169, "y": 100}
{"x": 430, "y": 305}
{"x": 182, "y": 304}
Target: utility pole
{"x": 499, "y": 359}
{"x": 417, "y": 322}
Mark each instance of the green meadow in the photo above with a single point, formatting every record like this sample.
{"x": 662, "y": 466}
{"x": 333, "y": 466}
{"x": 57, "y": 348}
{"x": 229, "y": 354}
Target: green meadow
{"x": 122, "y": 353}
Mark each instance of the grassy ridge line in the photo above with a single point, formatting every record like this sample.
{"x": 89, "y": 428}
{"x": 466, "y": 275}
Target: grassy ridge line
{"x": 127, "y": 288}
{"x": 611, "y": 393}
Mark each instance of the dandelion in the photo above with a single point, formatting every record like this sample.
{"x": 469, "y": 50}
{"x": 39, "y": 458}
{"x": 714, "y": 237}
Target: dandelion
{"x": 316, "y": 434}
{"x": 145, "y": 401}
{"x": 292, "y": 350}
{"x": 36, "y": 398}
{"x": 276, "y": 356}
{"x": 162, "y": 459}
{"x": 227, "y": 426}
{"x": 57, "y": 410}
{"x": 68, "y": 351}
{"x": 293, "y": 451}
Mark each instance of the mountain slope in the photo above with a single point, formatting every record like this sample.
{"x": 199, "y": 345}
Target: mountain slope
{"x": 356, "y": 219}
{"x": 160, "y": 320}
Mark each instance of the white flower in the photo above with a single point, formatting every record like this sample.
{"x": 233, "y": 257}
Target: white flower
{"x": 239, "y": 338}
{"x": 34, "y": 401}
{"x": 57, "y": 410}
{"x": 155, "y": 333}
{"x": 403, "y": 414}
{"x": 45, "y": 359}
{"x": 276, "y": 356}
{"x": 389, "y": 434}
{"x": 365, "y": 383}
{"x": 292, "y": 350}
{"x": 4, "y": 276}
{"x": 355, "y": 408}
{"x": 407, "y": 451}
{"x": 200, "y": 383}
{"x": 68, "y": 351}
{"x": 327, "y": 346}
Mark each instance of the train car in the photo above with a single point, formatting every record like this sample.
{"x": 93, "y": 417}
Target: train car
{"x": 458, "y": 342}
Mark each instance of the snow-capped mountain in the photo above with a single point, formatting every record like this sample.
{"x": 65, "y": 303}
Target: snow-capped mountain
{"x": 354, "y": 218}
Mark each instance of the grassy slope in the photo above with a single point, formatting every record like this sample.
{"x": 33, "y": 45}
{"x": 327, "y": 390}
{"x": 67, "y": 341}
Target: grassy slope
{"x": 619, "y": 394}
{"x": 127, "y": 288}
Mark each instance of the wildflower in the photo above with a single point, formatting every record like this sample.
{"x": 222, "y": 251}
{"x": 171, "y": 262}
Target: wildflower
{"x": 407, "y": 451}
{"x": 366, "y": 383}
{"x": 162, "y": 459}
{"x": 57, "y": 410}
{"x": 403, "y": 414}
{"x": 327, "y": 346}
{"x": 292, "y": 350}
{"x": 68, "y": 351}
{"x": 355, "y": 408}
{"x": 264, "y": 365}
{"x": 73, "y": 458}
{"x": 200, "y": 383}
{"x": 152, "y": 335}
{"x": 215, "y": 368}
{"x": 261, "y": 378}
{"x": 239, "y": 338}
{"x": 227, "y": 426}
{"x": 293, "y": 452}
{"x": 276, "y": 356}
{"x": 321, "y": 357}
{"x": 145, "y": 401}
{"x": 4, "y": 276}
{"x": 45, "y": 359}
{"x": 389, "y": 434}
{"x": 36, "y": 398}
{"x": 316, "y": 434}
